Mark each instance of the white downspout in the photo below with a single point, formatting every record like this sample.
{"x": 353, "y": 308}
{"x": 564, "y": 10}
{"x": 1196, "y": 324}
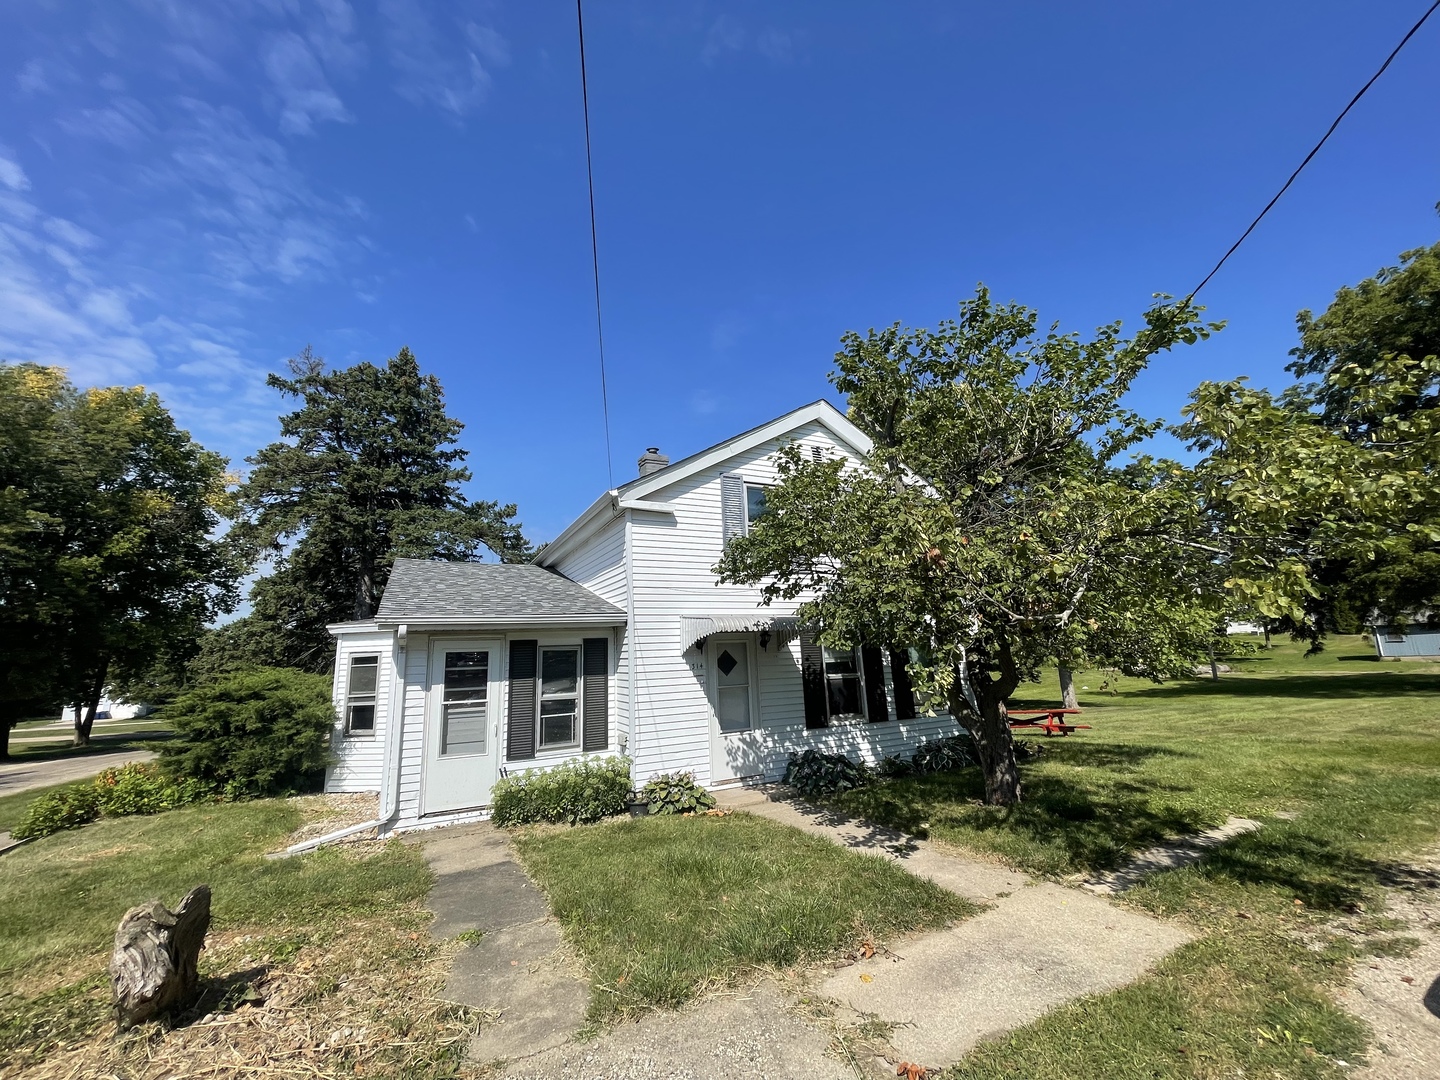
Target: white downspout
{"x": 390, "y": 788}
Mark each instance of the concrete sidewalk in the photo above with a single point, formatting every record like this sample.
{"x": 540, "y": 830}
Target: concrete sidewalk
{"x": 22, "y": 775}
{"x": 520, "y": 970}
{"x": 1038, "y": 946}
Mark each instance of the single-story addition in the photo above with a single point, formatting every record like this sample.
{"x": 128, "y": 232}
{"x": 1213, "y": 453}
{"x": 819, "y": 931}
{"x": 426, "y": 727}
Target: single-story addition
{"x": 617, "y": 639}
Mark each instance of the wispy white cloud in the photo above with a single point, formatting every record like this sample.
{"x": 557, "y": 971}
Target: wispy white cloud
{"x": 305, "y": 94}
{"x": 11, "y": 174}
{"x": 727, "y": 35}
{"x": 450, "y": 67}
{"x": 124, "y": 122}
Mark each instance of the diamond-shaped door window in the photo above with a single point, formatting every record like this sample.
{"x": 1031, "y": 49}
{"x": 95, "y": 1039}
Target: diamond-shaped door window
{"x": 726, "y": 663}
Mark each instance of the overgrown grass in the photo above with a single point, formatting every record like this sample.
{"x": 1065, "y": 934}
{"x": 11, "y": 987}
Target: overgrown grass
{"x": 63, "y": 895}
{"x": 1344, "y": 748}
{"x": 662, "y": 907}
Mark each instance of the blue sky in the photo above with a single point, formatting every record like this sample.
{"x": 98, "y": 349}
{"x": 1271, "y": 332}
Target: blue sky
{"x": 191, "y": 192}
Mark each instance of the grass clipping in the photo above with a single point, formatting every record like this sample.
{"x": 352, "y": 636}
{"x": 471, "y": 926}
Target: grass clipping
{"x": 357, "y": 1000}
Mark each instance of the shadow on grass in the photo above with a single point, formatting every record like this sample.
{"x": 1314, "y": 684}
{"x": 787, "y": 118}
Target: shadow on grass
{"x": 1061, "y": 826}
{"x": 1281, "y": 687}
{"x": 99, "y": 744}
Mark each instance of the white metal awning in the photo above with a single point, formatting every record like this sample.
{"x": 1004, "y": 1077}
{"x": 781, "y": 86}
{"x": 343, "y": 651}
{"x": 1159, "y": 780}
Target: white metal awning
{"x": 694, "y": 629}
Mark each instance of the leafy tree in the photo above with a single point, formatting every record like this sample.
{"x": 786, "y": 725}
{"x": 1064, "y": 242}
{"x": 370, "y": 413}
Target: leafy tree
{"x": 995, "y": 526}
{"x": 1324, "y": 496}
{"x": 31, "y": 474}
{"x": 367, "y": 470}
{"x": 110, "y": 555}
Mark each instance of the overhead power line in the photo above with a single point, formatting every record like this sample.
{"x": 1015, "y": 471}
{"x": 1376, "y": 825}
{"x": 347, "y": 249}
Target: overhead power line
{"x": 1314, "y": 150}
{"x": 594, "y": 243}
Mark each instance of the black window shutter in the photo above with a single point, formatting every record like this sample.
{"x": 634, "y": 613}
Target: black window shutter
{"x": 812, "y": 671}
{"x": 596, "y": 706}
{"x": 732, "y": 505}
{"x": 520, "y": 726}
{"x": 872, "y": 663}
{"x": 904, "y": 689}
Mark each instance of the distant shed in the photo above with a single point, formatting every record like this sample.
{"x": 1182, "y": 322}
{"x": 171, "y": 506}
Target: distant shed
{"x": 1409, "y": 643}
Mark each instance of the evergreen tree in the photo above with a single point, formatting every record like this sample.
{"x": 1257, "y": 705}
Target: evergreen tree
{"x": 367, "y": 470}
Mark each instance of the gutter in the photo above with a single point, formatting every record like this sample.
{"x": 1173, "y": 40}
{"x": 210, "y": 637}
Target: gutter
{"x": 390, "y": 792}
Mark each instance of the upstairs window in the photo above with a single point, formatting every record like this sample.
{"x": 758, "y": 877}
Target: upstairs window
{"x": 754, "y": 504}
{"x": 360, "y": 695}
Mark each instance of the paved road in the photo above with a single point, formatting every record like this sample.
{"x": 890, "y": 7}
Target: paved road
{"x": 18, "y": 776}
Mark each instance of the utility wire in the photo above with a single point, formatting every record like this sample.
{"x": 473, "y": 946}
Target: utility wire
{"x": 594, "y": 244}
{"x": 1315, "y": 150}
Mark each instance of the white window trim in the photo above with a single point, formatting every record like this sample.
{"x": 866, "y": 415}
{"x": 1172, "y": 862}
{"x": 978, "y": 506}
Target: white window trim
{"x": 573, "y": 746}
{"x": 745, "y": 486}
{"x": 351, "y": 698}
{"x": 863, "y": 716}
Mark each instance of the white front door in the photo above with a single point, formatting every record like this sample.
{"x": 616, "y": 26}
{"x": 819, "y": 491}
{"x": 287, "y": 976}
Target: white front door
{"x": 462, "y": 725}
{"x": 734, "y": 704}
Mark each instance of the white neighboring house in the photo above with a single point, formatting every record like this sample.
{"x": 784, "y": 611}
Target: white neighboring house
{"x": 617, "y": 639}
{"x": 110, "y": 710}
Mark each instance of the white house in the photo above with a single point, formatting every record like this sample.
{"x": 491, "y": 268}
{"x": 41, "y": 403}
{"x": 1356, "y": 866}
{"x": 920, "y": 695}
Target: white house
{"x": 618, "y": 638}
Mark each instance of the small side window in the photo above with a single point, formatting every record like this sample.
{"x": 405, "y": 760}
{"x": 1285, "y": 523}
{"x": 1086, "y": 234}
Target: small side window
{"x": 754, "y": 504}
{"x": 360, "y": 695}
{"x": 1394, "y": 635}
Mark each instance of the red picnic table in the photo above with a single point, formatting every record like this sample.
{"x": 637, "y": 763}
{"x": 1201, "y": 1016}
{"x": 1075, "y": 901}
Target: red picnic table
{"x": 1047, "y": 721}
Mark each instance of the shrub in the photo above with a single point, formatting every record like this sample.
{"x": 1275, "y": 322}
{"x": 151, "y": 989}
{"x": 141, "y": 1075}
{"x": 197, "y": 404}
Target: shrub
{"x": 253, "y": 732}
{"x": 893, "y": 766}
{"x": 68, "y": 808}
{"x": 576, "y": 792}
{"x": 944, "y": 755}
{"x": 143, "y": 788}
{"x": 813, "y": 773}
{"x": 676, "y": 793}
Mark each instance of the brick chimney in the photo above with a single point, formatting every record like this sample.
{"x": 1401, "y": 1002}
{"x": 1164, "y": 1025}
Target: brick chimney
{"x": 652, "y": 461}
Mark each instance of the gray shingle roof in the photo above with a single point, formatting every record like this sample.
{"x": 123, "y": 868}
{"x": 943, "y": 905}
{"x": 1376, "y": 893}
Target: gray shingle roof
{"x": 419, "y": 590}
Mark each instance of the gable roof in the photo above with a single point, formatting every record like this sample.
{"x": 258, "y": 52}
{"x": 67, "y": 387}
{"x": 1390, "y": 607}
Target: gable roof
{"x": 423, "y": 591}
{"x": 817, "y": 412}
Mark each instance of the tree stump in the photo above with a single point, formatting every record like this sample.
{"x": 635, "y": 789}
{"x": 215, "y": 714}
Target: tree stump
{"x": 155, "y": 966}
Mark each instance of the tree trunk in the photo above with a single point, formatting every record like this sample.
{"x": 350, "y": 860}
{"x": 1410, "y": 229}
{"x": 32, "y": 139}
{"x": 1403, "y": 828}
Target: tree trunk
{"x": 1068, "y": 700}
{"x": 5, "y": 725}
{"x": 1214, "y": 668}
{"x": 994, "y": 741}
{"x": 85, "y": 710}
{"x": 154, "y": 970}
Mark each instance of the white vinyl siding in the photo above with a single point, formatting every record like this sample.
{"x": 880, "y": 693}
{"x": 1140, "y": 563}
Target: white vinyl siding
{"x": 673, "y": 559}
{"x": 359, "y": 758}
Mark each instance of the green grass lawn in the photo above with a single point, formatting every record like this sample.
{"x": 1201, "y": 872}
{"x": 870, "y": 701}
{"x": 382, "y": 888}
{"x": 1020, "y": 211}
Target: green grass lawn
{"x": 324, "y": 921}
{"x": 663, "y": 907}
{"x": 107, "y": 737}
{"x": 1347, "y": 745}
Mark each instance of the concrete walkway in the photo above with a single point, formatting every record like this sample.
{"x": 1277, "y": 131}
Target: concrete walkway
{"x": 21, "y": 775}
{"x": 1038, "y": 946}
{"x": 1171, "y": 855}
{"x": 519, "y": 971}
